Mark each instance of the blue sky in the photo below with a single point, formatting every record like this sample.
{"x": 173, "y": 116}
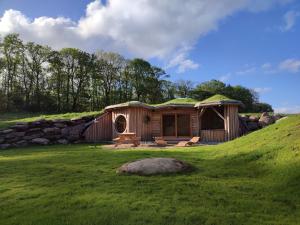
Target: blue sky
{"x": 248, "y": 42}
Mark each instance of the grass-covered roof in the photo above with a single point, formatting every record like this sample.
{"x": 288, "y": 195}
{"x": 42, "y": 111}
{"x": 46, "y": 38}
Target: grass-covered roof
{"x": 218, "y": 100}
{"x": 180, "y": 102}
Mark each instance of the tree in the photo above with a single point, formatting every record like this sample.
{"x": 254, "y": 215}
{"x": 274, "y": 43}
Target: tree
{"x": 262, "y": 107}
{"x": 184, "y": 88}
{"x": 11, "y": 48}
{"x": 37, "y": 61}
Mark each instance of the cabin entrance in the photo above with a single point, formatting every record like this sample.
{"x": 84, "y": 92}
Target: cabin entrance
{"x": 212, "y": 124}
{"x": 176, "y": 125}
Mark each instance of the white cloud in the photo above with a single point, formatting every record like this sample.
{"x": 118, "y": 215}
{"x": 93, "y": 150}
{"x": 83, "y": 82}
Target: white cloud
{"x": 141, "y": 28}
{"x": 290, "y": 65}
{"x": 262, "y": 90}
{"x": 266, "y": 66}
{"x": 288, "y": 109}
{"x": 289, "y": 20}
{"x": 182, "y": 62}
{"x": 225, "y": 77}
{"x": 246, "y": 71}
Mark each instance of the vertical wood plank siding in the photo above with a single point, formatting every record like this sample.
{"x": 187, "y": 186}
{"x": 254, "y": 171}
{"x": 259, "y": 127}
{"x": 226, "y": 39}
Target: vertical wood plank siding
{"x": 138, "y": 123}
{"x": 212, "y": 135}
{"x": 231, "y": 122}
{"x": 100, "y": 129}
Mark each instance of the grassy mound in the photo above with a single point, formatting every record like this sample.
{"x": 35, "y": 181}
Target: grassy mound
{"x": 7, "y": 119}
{"x": 251, "y": 180}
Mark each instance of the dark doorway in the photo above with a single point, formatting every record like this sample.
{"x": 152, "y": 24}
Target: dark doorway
{"x": 183, "y": 125}
{"x": 169, "y": 125}
{"x": 211, "y": 121}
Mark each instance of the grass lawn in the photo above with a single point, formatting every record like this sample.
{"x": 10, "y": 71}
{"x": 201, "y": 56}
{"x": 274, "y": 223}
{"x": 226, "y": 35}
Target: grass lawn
{"x": 251, "y": 180}
{"x": 8, "y": 119}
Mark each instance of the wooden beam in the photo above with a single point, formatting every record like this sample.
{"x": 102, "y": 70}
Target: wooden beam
{"x": 219, "y": 114}
{"x": 202, "y": 112}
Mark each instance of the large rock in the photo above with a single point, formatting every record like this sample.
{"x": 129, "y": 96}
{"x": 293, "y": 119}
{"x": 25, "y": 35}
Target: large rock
{"x": 5, "y": 146}
{"x": 7, "y": 131}
{"x": 244, "y": 118}
{"x": 21, "y": 143}
{"x": 52, "y": 131}
{"x": 62, "y": 141}
{"x": 20, "y": 127}
{"x": 254, "y": 118}
{"x": 40, "y": 141}
{"x": 252, "y": 126}
{"x": 151, "y": 166}
{"x": 265, "y": 120}
{"x": 73, "y": 133}
{"x": 33, "y": 135}
{"x": 15, "y": 134}
{"x": 60, "y": 125}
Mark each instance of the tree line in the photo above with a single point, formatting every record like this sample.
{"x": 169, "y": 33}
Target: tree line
{"x": 36, "y": 78}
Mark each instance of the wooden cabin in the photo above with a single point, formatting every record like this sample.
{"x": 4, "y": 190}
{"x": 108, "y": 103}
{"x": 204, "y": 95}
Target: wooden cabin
{"x": 214, "y": 120}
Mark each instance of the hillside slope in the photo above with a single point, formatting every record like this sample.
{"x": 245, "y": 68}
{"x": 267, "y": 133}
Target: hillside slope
{"x": 254, "y": 179}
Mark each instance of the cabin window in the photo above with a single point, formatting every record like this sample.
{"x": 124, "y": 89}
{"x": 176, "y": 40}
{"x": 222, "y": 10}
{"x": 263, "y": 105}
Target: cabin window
{"x": 169, "y": 125}
{"x": 120, "y": 124}
{"x": 176, "y": 125}
{"x": 211, "y": 120}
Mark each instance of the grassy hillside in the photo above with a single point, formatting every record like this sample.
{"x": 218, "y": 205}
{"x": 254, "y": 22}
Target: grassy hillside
{"x": 251, "y": 180}
{"x": 7, "y": 119}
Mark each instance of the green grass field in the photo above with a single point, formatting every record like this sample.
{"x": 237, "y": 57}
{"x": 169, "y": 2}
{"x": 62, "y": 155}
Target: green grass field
{"x": 254, "y": 179}
{"x": 7, "y": 119}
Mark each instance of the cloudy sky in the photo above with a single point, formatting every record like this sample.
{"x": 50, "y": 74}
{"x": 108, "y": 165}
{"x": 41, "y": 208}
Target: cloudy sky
{"x": 254, "y": 43}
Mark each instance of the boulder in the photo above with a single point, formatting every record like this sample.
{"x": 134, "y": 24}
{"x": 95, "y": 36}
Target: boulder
{"x": 252, "y": 126}
{"x": 253, "y": 118}
{"x": 53, "y": 137}
{"x": 51, "y": 130}
{"x": 5, "y": 146}
{"x": 277, "y": 116}
{"x": 152, "y": 166}
{"x": 7, "y": 131}
{"x": 60, "y": 125}
{"x": 63, "y": 141}
{"x": 265, "y": 119}
{"x": 14, "y": 134}
{"x": 244, "y": 118}
{"x": 40, "y": 141}
{"x": 13, "y": 140}
{"x": 34, "y": 130}
{"x": 20, "y": 127}
{"x": 21, "y": 143}
{"x": 73, "y": 133}
{"x": 33, "y": 135}
{"x": 1, "y": 140}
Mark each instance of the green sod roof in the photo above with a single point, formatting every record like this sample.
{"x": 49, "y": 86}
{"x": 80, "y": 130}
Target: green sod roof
{"x": 181, "y": 102}
{"x": 218, "y": 100}
{"x": 178, "y": 101}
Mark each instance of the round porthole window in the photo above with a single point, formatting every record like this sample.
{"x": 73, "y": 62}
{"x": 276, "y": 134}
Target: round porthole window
{"x": 120, "y": 124}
